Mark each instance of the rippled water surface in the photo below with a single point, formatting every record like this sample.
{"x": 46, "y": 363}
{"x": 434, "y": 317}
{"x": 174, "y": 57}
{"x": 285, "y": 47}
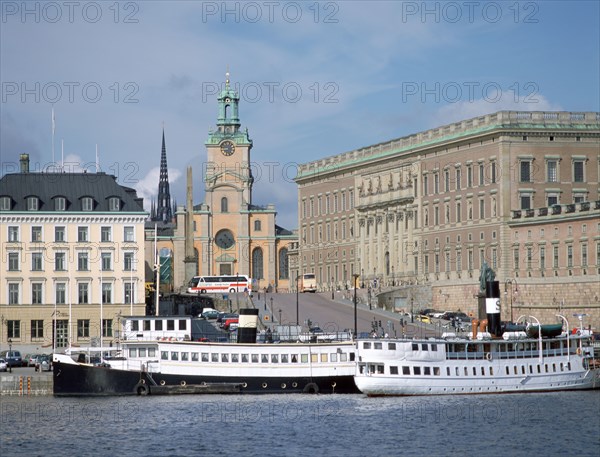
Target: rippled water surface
{"x": 552, "y": 424}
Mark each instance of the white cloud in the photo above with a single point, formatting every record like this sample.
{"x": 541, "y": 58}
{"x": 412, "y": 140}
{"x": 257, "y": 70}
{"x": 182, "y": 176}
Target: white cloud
{"x": 506, "y": 101}
{"x": 147, "y": 187}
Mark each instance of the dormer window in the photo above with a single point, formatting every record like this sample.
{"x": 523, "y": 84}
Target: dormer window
{"x": 60, "y": 204}
{"x": 114, "y": 204}
{"x": 33, "y": 203}
{"x": 87, "y": 204}
{"x": 5, "y": 204}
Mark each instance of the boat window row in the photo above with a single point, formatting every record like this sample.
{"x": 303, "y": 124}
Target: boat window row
{"x": 142, "y": 352}
{"x": 405, "y": 370}
{"x": 392, "y": 346}
{"x": 159, "y": 324}
{"x": 224, "y": 357}
{"x": 509, "y": 350}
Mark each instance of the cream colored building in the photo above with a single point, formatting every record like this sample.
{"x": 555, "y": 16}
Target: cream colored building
{"x": 423, "y": 213}
{"x": 71, "y": 250}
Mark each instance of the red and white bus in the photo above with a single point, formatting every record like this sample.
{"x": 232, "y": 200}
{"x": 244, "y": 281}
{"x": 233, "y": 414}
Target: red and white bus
{"x": 220, "y": 284}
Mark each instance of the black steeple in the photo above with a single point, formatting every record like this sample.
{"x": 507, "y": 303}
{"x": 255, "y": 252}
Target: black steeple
{"x": 164, "y": 211}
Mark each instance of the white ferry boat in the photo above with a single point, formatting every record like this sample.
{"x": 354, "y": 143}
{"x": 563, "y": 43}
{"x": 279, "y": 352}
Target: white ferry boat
{"x": 153, "y": 363}
{"x": 477, "y": 364}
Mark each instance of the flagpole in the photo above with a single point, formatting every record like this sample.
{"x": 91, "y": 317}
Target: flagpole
{"x": 62, "y": 155}
{"x": 157, "y": 266}
{"x": 101, "y": 308}
{"x": 97, "y": 161}
{"x": 53, "y": 128}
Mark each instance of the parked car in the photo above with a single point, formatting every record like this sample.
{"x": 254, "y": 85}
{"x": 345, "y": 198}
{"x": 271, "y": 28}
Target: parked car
{"x": 222, "y": 318}
{"x": 229, "y": 321}
{"x": 3, "y": 365}
{"x": 448, "y": 315}
{"x": 13, "y": 358}
{"x": 435, "y": 314}
{"x": 30, "y": 360}
{"x": 43, "y": 363}
{"x": 209, "y": 313}
{"x": 424, "y": 319}
{"x": 464, "y": 318}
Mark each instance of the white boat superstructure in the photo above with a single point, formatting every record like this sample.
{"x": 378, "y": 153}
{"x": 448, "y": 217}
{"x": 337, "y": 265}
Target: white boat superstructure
{"x": 443, "y": 366}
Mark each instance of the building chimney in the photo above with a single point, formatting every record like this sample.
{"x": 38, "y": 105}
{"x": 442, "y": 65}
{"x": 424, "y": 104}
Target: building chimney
{"x": 24, "y": 160}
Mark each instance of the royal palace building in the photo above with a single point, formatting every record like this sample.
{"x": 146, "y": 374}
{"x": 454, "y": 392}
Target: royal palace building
{"x": 416, "y": 217}
{"x": 72, "y": 258}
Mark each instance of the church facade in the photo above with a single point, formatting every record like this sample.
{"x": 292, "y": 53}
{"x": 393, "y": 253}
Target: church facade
{"x": 227, "y": 234}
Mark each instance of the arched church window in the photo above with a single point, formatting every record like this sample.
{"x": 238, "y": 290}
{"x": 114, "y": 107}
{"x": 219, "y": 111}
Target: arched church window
{"x": 257, "y": 264}
{"x": 224, "y": 205}
{"x": 283, "y": 264}
{"x": 257, "y": 226}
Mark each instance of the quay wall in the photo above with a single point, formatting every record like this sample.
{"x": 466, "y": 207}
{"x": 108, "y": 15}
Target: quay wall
{"x": 25, "y": 384}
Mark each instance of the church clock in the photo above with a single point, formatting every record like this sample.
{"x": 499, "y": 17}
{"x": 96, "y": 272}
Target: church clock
{"x": 227, "y": 148}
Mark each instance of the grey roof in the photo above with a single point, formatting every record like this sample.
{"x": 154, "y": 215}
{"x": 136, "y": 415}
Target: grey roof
{"x": 72, "y": 186}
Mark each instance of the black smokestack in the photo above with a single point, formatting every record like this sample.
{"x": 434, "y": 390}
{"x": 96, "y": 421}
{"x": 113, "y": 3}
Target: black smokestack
{"x": 492, "y": 306}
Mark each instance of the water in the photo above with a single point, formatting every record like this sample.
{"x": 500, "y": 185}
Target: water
{"x": 552, "y": 424}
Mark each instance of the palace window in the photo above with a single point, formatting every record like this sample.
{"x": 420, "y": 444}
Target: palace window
{"x": 87, "y": 204}
{"x": 37, "y": 328}
{"x": 578, "y": 171}
{"x": 13, "y": 233}
{"x": 552, "y": 171}
{"x": 36, "y": 293}
{"x": 36, "y": 234}
{"x": 59, "y": 234}
{"x": 128, "y": 234}
{"x": 33, "y": 203}
{"x": 13, "y": 261}
{"x": 83, "y": 293}
{"x": 60, "y": 204}
{"x": 525, "y": 171}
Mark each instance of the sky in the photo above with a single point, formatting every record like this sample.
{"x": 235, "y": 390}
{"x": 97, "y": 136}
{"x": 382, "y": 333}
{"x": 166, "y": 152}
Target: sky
{"x": 315, "y": 79}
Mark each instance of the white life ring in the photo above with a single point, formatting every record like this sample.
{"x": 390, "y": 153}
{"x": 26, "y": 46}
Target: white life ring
{"x": 488, "y": 356}
{"x": 578, "y": 351}
{"x": 183, "y": 383}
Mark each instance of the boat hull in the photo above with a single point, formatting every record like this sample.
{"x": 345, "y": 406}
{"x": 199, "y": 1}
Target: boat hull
{"x": 87, "y": 380}
{"x": 388, "y": 386}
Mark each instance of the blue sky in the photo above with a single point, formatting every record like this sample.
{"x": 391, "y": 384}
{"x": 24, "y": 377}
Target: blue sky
{"x": 315, "y": 78}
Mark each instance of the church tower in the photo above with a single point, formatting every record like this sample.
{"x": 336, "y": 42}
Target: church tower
{"x": 164, "y": 211}
{"x": 228, "y": 188}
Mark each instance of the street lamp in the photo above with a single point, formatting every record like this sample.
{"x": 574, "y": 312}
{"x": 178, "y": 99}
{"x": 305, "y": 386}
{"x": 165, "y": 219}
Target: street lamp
{"x": 280, "y": 317}
{"x": 355, "y": 279}
{"x": 8, "y": 358}
{"x": 412, "y": 310}
{"x": 332, "y": 288}
{"x": 516, "y": 290}
{"x": 237, "y": 290}
{"x": 271, "y": 309}
{"x": 297, "y": 309}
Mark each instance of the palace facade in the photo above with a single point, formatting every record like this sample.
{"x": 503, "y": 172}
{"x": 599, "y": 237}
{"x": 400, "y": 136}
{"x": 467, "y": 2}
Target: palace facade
{"x": 418, "y": 216}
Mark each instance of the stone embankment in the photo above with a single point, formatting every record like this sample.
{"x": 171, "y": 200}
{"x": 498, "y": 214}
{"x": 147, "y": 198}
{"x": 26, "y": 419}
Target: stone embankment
{"x": 25, "y": 381}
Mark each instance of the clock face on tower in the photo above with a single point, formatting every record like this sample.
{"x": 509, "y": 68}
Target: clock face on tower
{"x": 227, "y": 148}
{"x": 224, "y": 239}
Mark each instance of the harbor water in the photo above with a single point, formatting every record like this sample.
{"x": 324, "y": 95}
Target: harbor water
{"x": 551, "y": 424}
